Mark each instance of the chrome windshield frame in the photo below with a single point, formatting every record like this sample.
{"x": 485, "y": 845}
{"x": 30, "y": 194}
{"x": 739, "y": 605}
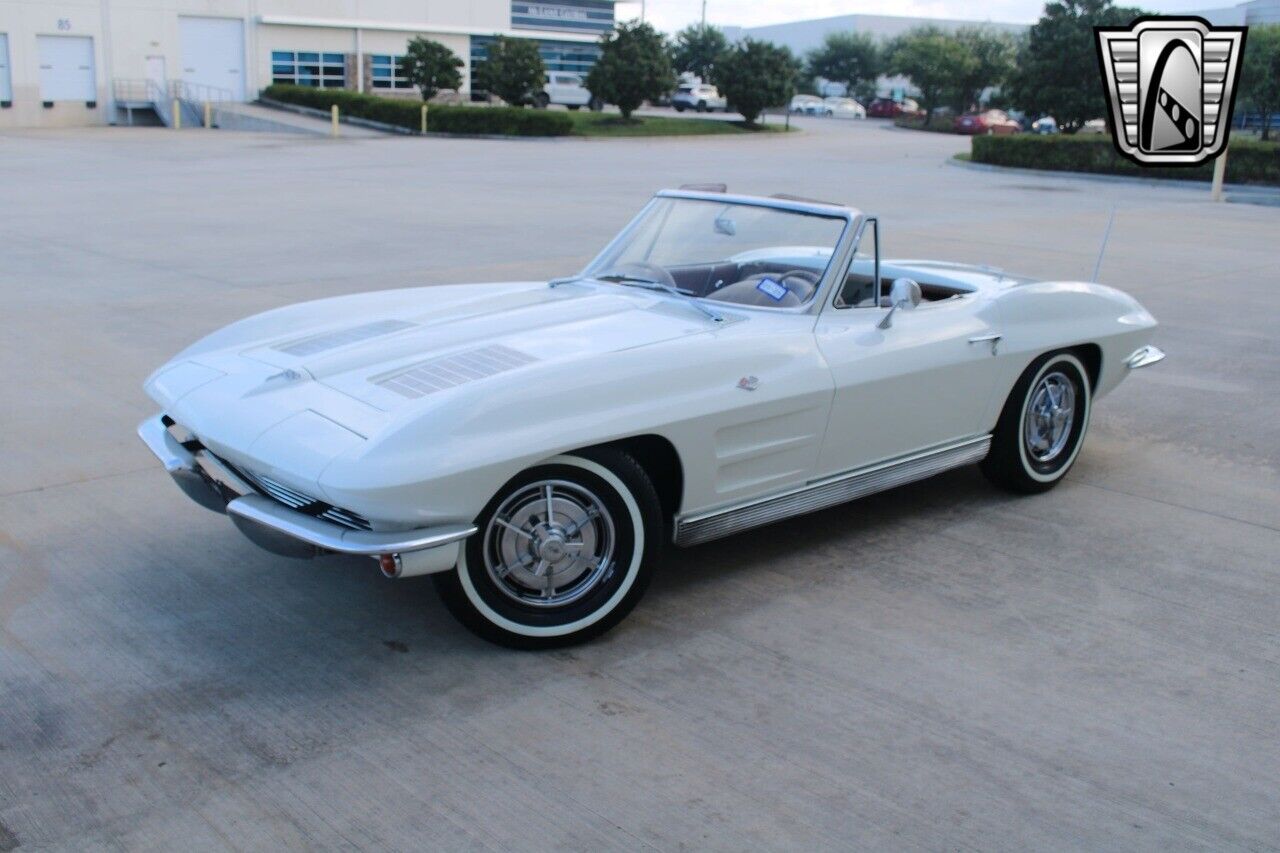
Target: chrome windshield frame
{"x": 849, "y": 236}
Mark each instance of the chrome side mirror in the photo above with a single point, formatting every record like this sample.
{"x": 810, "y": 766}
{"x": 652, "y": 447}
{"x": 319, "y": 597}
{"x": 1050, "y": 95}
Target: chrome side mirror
{"x": 905, "y": 293}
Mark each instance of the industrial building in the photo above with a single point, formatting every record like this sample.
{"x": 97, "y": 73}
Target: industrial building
{"x": 62, "y": 62}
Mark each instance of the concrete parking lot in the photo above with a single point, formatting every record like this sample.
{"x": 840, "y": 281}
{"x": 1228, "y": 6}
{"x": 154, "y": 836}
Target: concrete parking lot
{"x": 942, "y": 666}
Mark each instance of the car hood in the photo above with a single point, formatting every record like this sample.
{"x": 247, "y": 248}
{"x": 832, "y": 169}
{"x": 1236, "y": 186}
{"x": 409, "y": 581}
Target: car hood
{"x": 360, "y": 361}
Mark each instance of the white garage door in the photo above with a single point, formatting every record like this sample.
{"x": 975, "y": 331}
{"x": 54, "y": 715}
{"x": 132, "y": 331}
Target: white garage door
{"x": 213, "y": 53}
{"x": 6, "y": 85}
{"x": 66, "y": 68}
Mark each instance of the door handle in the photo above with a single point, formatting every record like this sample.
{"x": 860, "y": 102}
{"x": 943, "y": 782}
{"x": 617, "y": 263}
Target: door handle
{"x": 994, "y": 340}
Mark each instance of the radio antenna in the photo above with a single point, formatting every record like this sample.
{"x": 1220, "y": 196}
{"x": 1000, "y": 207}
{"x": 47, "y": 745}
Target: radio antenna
{"x": 1106, "y": 235}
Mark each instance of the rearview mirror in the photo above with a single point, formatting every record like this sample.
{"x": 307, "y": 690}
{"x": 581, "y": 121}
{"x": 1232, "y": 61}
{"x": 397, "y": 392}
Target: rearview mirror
{"x": 904, "y": 293}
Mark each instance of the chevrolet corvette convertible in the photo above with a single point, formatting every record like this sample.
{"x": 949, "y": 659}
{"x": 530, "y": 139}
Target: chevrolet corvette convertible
{"x": 726, "y": 362}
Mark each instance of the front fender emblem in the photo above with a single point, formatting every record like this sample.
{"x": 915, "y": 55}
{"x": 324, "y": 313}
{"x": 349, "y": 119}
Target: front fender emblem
{"x": 749, "y": 383}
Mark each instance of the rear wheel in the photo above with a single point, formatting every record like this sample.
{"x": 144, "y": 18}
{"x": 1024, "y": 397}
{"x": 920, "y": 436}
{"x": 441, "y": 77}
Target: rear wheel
{"x": 597, "y": 105}
{"x": 541, "y": 101}
{"x": 1042, "y": 426}
{"x": 564, "y": 551}
{"x": 702, "y": 106}
{"x": 575, "y": 107}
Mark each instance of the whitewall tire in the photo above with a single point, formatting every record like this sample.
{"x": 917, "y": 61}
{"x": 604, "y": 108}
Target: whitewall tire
{"x": 564, "y": 551}
{"x": 1042, "y": 426}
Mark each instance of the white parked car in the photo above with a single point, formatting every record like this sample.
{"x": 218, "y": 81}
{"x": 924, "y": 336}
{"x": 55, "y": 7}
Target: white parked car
{"x": 701, "y": 97}
{"x": 807, "y": 105}
{"x": 567, "y": 90}
{"x": 843, "y": 108}
{"x": 726, "y": 362}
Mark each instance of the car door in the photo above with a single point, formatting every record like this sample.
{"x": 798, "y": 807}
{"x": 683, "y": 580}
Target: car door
{"x": 924, "y": 382}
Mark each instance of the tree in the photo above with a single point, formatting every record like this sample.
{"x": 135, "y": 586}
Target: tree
{"x": 431, "y": 67}
{"x": 1057, "y": 65}
{"x": 849, "y": 58}
{"x": 512, "y": 70}
{"x": 696, "y": 49}
{"x": 634, "y": 67}
{"x": 993, "y": 54}
{"x": 753, "y": 75}
{"x": 1260, "y": 76}
{"x": 934, "y": 60}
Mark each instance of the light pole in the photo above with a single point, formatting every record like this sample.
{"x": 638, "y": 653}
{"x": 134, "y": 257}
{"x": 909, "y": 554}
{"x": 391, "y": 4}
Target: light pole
{"x": 704, "y": 14}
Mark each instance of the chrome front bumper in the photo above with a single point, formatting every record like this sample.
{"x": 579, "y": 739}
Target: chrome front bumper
{"x": 278, "y": 528}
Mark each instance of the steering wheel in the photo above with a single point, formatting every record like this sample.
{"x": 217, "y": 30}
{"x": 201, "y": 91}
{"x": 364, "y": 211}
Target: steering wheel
{"x": 644, "y": 269}
{"x": 807, "y": 276}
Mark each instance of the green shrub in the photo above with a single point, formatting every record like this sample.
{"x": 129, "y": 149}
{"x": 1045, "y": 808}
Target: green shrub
{"x": 486, "y": 121}
{"x": 1248, "y": 162}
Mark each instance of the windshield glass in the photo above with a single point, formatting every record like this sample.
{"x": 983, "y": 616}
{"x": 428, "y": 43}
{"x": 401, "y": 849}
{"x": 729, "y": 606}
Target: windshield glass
{"x": 727, "y": 252}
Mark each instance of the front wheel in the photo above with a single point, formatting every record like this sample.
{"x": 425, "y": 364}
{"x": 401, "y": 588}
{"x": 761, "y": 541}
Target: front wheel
{"x": 564, "y": 551}
{"x": 1042, "y": 426}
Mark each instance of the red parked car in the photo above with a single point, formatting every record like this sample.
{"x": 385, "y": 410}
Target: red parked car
{"x": 889, "y": 108}
{"x": 987, "y": 121}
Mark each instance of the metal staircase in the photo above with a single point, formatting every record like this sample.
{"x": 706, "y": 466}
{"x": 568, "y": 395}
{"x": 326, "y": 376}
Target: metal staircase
{"x": 142, "y": 96}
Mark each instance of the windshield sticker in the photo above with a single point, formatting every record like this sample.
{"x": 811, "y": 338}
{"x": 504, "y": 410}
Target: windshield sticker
{"x": 773, "y": 289}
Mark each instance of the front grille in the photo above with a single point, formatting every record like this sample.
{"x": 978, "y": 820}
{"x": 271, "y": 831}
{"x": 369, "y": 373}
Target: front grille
{"x": 304, "y": 503}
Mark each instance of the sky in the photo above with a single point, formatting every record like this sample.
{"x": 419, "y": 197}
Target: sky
{"x": 671, "y": 15}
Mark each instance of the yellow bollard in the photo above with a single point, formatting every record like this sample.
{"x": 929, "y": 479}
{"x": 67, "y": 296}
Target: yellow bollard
{"x": 424, "y": 118}
{"x": 1219, "y": 175}
{"x": 177, "y": 114}
{"x": 208, "y": 116}
{"x": 333, "y": 116}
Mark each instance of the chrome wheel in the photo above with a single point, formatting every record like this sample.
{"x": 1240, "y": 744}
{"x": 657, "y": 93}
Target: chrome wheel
{"x": 1049, "y": 417}
{"x": 549, "y": 544}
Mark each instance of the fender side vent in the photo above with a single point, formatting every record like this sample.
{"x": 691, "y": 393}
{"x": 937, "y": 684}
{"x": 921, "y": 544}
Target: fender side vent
{"x": 313, "y": 344}
{"x": 450, "y": 371}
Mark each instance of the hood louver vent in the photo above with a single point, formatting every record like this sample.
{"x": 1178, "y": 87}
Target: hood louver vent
{"x": 342, "y": 337}
{"x": 450, "y": 371}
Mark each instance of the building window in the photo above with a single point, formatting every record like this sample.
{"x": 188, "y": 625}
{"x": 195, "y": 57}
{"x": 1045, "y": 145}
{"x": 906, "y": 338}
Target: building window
{"x": 388, "y": 72}
{"x": 556, "y": 55}
{"x": 325, "y": 70}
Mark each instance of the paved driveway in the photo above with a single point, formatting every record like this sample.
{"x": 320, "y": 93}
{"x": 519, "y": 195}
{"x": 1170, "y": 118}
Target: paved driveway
{"x": 943, "y": 666}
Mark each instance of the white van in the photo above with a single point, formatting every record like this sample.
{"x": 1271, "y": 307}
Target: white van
{"x": 567, "y": 90}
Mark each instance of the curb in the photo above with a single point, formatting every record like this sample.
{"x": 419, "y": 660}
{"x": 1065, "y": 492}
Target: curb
{"x": 1243, "y": 193}
{"x": 404, "y": 131}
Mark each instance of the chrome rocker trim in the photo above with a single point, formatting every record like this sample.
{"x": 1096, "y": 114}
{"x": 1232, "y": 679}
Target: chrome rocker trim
{"x": 272, "y": 525}
{"x": 1145, "y": 357}
{"x": 830, "y": 491}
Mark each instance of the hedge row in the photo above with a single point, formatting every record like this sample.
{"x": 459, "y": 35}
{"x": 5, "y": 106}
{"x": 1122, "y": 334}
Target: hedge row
{"x": 496, "y": 121}
{"x": 1248, "y": 162}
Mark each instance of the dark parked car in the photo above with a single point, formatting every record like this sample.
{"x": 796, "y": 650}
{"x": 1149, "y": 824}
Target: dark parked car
{"x": 889, "y": 108}
{"x": 987, "y": 121}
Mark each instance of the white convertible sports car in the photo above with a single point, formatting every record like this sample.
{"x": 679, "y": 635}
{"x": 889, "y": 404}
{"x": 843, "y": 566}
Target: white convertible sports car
{"x": 726, "y": 362}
